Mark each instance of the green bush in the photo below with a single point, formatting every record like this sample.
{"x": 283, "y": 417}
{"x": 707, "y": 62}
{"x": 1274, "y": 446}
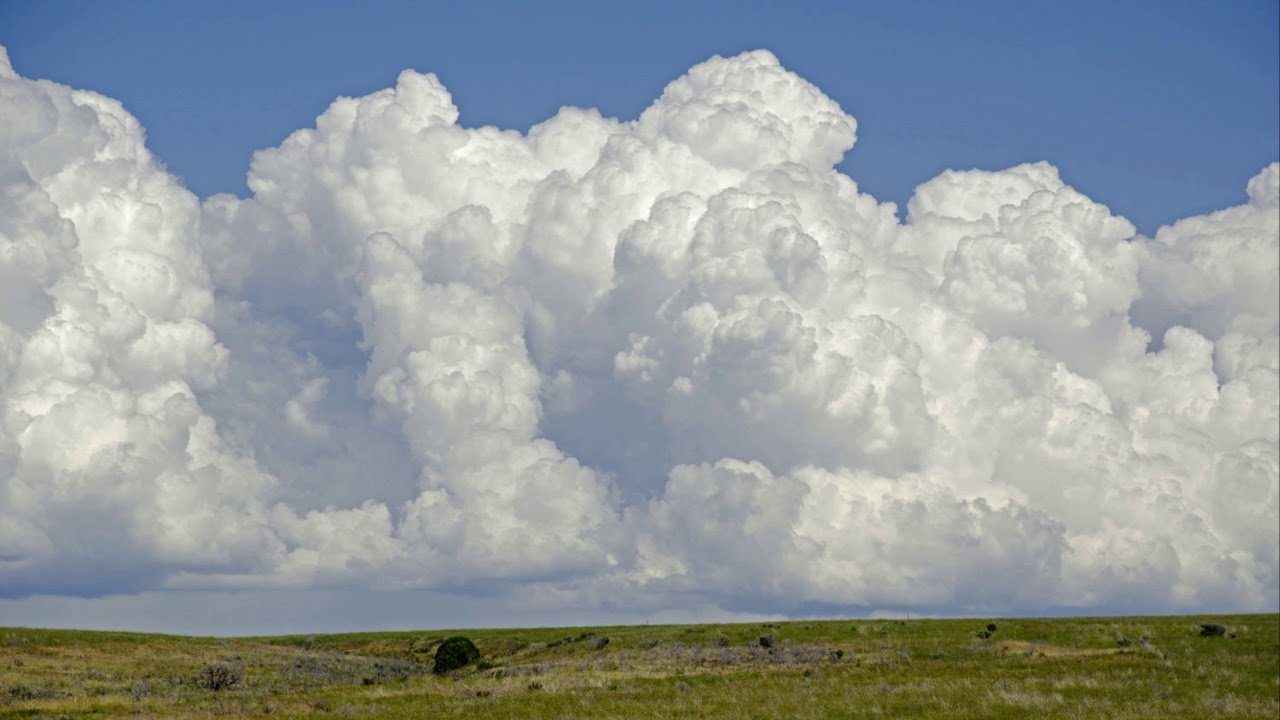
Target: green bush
{"x": 1212, "y": 630}
{"x": 454, "y": 653}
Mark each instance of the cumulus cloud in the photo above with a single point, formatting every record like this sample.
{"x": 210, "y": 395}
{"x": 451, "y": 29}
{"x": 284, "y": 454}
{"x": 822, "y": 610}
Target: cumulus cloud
{"x": 637, "y": 363}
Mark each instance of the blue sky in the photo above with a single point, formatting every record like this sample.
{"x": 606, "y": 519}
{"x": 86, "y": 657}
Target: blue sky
{"x": 1161, "y": 110}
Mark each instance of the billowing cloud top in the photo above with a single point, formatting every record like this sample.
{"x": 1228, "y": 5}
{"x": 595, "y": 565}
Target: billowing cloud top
{"x": 679, "y": 359}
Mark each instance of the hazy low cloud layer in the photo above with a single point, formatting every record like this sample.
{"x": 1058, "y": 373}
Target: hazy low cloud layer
{"x": 675, "y": 361}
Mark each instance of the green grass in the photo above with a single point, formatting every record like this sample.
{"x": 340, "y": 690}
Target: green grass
{"x": 1151, "y": 667}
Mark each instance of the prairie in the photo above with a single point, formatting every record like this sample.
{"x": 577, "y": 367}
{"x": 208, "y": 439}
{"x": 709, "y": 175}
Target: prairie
{"x": 1106, "y": 667}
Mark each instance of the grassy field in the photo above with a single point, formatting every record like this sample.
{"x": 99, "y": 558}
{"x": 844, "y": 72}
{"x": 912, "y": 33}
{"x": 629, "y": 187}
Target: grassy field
{"x": 1151, "y": 667}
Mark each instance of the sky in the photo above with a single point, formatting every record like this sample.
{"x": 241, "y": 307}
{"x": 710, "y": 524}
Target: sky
{"x": 1157, "y": 109}
{"x": 317, "y": 319}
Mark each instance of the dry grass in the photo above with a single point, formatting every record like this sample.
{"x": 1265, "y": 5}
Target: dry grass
{"x": 1067, "y": 668}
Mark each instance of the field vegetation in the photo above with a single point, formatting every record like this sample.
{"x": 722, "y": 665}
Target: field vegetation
{"x": 1152, "y": 667}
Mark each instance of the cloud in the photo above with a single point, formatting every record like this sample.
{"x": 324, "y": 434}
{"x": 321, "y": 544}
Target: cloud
{"x": 112, "y": 473}
{"x": 625, "y": 364}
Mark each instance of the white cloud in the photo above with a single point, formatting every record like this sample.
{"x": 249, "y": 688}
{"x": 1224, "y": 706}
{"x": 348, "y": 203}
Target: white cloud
{"x": 627, "y": 363}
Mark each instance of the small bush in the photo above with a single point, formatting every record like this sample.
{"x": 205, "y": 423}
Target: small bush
{"x": 219, "y": 676}
{"x": 984, "y": 634}
{"x": 454, "y": 653}
{"x": 1212, "y": 630}
{"x": 991, "y": 627}
{"x": 601, "y": 643}
{"x": 139, "y": 691}
{"x": 767, "y": 641}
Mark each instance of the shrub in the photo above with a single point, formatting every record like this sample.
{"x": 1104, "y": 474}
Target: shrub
{"x": 219, "y": 676}
{"x": 984, "y": 634}
{"x": 139, "y": 690}
{"x": 991, "y": 627}
{"x": 1212, "y": 630}
{"x": 766, "y": 641}
{"x": 601, "y": 643}
{"x": 454, "y": 653}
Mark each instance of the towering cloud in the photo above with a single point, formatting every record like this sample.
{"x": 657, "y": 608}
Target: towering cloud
{"x": 670, "y": 360}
